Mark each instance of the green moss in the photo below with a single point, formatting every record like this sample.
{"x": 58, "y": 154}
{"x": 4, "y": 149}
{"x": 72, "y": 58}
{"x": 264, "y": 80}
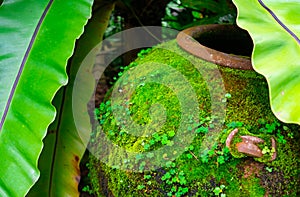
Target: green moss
{"x": 119, "y": 183}
{"x": 203, "y": 169}
{"x": 252, "y": 188}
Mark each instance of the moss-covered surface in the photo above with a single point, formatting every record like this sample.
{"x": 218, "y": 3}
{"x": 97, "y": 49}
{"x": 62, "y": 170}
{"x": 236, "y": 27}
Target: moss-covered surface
{"x": 197, "y": 171}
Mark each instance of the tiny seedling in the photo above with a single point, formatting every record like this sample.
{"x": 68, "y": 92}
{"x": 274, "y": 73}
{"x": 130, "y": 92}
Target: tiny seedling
{"x": 280, "y": 138}
{"x": 202, "y": 130}
{"x": 228, "y": 96}
{"x": 140, "y": 187}
{"x": 221, "y": 159}
{"x": 147, "y": 176}
{"x": 265, "y": 150}
{"x": 219, "y": 191}
{"x": 290, "y": 135}
{"x": 87, "y": 189}
{"x": 146, "y": 146}
{"x": 233, "y": 125}
{"x": 269, "y": 169}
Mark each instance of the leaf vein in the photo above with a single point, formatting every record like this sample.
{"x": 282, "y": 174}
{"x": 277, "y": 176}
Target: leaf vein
{"x": 33, "y": 37}
{"x": 279, "y": 21}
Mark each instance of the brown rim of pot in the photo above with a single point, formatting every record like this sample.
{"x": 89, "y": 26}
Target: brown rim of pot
{"x": 186, "y": 39}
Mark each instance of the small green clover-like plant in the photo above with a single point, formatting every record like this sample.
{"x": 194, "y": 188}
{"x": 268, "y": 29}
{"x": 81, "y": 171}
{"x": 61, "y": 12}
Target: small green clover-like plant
{"x": 280, "y": 137}
{"x": 227, "y": 96}
{"x": 147, "y": 146}
{"x": 165, "y": 140}
{"x": 216, "y": 153}
{"x": 156, "y": 137}
{"x": 189, "y": 156}
{"x": 171, "y": 133}
{"x": 211, "y": 152}
{"x": 204, "y": 157}
{"x": 182, "y": 180}
{"x": 142, "y": 166}
{"x": 166, "y": 176}
{"x": 181, "y": 191}
{"x": 152, "y": 142}
{"x": 147, "y": 176}
{"x": 175, "y": 180}
{"x": 87, "y": 189}
{"x": 144, "y": 52}
{"x": 202, "y": 130}
{"x": 139, "y": 157}
{"x": 218, "y": 191}
{"x": 233, "y": 125}
{"x": 150, "y": 155}
{"x": 170, "y": 164}
{"x": 140, "y": 187}
{"x": 221, "y": 159}
{"x": 272, "y": 127}
{"x": 188, "y": 152}
{"x": 291, "y": 135}
{"x": 269, "y": 169}
{"x": 178, "y": 191}
{"x": 267, "y": 150}
{"x": 269, "y": 128}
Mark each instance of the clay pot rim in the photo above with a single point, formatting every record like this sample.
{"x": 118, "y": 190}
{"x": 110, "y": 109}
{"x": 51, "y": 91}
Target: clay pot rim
{"x": 185, "y": 39}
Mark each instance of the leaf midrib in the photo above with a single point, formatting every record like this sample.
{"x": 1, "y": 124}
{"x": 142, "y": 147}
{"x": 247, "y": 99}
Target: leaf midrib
{"x": 279, "y": 21}
{"x": 24, "y": 60}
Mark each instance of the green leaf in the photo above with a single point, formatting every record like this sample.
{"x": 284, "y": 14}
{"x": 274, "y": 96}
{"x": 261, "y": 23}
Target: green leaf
{"x": 202, "y": 129}
{"x": 221, "y": 159}
{"x": 37, "y": 38}
{"x": 217, "y": 191}
{"x": 69, "y": 140}
{"x": 189, "y": 156}
{"x": 171, "y": 133}
{"x": 213, "y": 6}
{"x": 275, "y": 31}
{"x": 140, "y": 187}
{"x": 147, "y": 176}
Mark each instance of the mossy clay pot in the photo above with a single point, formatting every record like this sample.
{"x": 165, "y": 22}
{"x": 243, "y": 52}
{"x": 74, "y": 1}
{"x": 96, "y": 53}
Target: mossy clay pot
{"x": 213, "y": 62}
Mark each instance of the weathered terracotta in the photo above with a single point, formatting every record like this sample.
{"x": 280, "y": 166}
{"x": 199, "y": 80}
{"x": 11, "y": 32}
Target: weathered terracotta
{"x": 201, "y": 40}
{"x": 273, "y": 147}
{"x": 251, "y": 139}
{"x": 248, "y": 145}
{"x": 224, "y": 45}
{"x": 230, "y": 137}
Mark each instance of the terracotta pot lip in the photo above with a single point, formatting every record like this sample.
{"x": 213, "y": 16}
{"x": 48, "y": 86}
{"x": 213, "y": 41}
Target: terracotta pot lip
{"x": 185, "y": 39}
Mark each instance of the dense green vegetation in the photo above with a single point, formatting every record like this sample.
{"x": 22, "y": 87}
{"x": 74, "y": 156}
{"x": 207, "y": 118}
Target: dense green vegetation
{"x": 47, "y": 77}
{"x": 196, "y": 172}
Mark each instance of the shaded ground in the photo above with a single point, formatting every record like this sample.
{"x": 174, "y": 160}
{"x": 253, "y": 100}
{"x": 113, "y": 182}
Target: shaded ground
{"x": 101, "y": 89}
